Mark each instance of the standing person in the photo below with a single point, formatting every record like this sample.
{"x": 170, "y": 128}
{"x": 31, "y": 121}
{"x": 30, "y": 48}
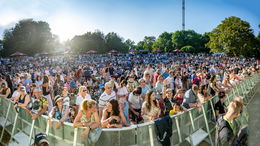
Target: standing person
{"x": 203, "y": 94}
{"x": 22, "y": 99}
{"x": 213, "y": 85}
{"x": 60, "y": 112}
{"x": 88, "y": 118}
{"x": 150, "y": 108}
{"x": 190, "y": 98}
{"x": 106, "y": 96}
{"x": 112, "y": 116}
{"x": 46, "y": 90}
{"x": 9, "y": 83}
{"x": 122, "y": 95}
{"x": 159, "y": 86}
{"x": 220, "y": 105}
{"x": 179, "y": 96}
{"x": 145, "y": 88}
{"x": 38, "y": 105}
{"x": 5, "y": 92}
{"x": 224, "y": 128}
{"x": 82, "y": 95}
{"x": 135, "y": 104}
{"x": 2, "y": 81}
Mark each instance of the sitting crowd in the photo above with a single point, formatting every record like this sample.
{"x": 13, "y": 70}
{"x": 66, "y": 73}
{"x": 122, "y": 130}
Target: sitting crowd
{"x": 95, "y": 96}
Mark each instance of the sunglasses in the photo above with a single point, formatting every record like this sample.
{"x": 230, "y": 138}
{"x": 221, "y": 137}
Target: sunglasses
{"x": 84, "y": 90}
{"x": 109, "y": 87}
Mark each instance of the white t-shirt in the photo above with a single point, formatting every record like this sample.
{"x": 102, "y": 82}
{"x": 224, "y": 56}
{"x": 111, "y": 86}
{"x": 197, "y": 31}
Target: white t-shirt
{"x": 104, "y": 98}
{"x": 122, "y": 91}
{"x": 79, "y": 99}
{"x": 135, "y": 101}
{"x": 15, "y": 94}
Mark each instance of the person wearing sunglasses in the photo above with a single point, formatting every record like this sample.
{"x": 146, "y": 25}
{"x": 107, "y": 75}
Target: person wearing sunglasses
{"x": 5, "y": 92}
{"x": 106, "y": 96}
{"x": 82, "y": 94}
{"x": 22, "y": 99}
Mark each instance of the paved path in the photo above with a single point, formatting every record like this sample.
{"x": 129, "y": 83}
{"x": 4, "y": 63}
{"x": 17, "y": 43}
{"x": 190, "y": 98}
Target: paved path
{"x": 254, "y": 120}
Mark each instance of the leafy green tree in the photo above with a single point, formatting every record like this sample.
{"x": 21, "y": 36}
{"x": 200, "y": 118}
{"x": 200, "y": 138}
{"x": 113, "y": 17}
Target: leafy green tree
{"x": 164, "y": 42}
{"x": 234, "y": 37}
{"x": 89, "y": 41}
{"x": 148, "y": 43}
{"x": 140, "y": 45}
{"x": 188, "y": 49}
{"x": 115, "y": 42}
{"x": 189, "y": 38}
{"x": 29, "y": 37}
{"x": 129, "y": 44}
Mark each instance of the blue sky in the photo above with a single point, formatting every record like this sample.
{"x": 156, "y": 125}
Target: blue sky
{"x": 131, "y": 19}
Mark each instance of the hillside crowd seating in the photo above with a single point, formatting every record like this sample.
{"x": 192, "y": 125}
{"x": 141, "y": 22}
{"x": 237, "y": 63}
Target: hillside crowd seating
{"x": 192, "y": 126}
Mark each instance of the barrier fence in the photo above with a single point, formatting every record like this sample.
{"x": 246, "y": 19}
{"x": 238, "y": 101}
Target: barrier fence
{"x": 192, "y": 126}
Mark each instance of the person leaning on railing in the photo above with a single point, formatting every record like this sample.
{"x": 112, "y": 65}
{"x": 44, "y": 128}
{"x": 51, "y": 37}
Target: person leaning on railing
{"x": 190, "y": 98}
{"x": 60, "y": 111}
{"x": 5, "y": 92}
{"x": 88, "y": 117}
{"x": 225, "y": 124}
{"x": 150, "y": 108}
{"x": 38, "y": 105}
{"x": 220, "y": 105}
{"x": 22, "y": 99}
{"x": 112, "y": 116}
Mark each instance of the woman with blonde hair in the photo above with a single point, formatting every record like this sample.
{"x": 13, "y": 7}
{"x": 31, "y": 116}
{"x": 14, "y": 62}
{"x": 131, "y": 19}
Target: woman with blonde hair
{"x": 225, "y": 124}
{"x": 88, "y": 117}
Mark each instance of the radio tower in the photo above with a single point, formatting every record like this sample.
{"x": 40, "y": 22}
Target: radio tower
{"x": 183, "y": 14}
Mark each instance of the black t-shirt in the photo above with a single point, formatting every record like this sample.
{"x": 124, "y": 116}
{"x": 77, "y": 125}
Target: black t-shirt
{"x": 220, "y": 107}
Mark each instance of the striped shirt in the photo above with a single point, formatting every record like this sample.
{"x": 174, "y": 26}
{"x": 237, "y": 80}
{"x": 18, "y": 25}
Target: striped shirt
{"x": 104, "y": 98}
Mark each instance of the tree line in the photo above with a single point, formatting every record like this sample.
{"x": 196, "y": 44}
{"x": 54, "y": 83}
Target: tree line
{"x": 232, "y": 36}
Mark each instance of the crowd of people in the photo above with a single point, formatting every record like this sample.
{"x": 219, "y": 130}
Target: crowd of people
{"x": 114, "y": 91}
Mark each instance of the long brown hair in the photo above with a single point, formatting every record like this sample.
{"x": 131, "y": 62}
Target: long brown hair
{"x": 149, "y": 101}
{"x": 115, "y": 107}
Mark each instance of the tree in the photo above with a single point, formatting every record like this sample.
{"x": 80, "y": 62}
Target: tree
{"x": 148, "y": 43}
{"x": 114, "y": 42}
{"x": 29, "y": 37}
{"x": 188, "y": 49}
{"x": 129, "y": 44}
{"x": 189, "y": 38}
{"x": 89, "y": 41}
{"x": 164, "y": 42}
{"x": 140, "y": 45}
{"x": 234, "y": 37}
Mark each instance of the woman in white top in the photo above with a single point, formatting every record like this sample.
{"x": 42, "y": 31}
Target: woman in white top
{"x": 135, "y": 103}
{"x": 122, "y": 95}
{"x": 83, "y": 94}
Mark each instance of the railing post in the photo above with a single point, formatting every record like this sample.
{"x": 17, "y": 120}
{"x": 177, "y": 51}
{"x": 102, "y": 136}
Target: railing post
{"x": 178, "y": 129}
{"x": 8, "y": 110}
{"x": 75, "y": 136}
{"x": 31, "y": 132}
{"x": 207, "y": 126}
{"x": 212, "y": 108}
{"x": 193, "y": 127}
{"x": 192, "y": 121}
{"x": 14, "y": 126}
{"x": 47, "y": 127}
{"x": 151, "y": 135}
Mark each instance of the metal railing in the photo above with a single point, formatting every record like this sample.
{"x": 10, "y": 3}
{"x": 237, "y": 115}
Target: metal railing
{"x": 184, "y": 124}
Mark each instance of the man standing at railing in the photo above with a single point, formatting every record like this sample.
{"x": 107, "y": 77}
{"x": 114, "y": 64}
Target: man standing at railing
{"x": 190, "y": 97}
{"x": 39, "y": 104}
{"x": 225, "y": 124}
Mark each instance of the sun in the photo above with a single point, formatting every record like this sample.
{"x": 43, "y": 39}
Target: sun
{"x": 64, "y": 28}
